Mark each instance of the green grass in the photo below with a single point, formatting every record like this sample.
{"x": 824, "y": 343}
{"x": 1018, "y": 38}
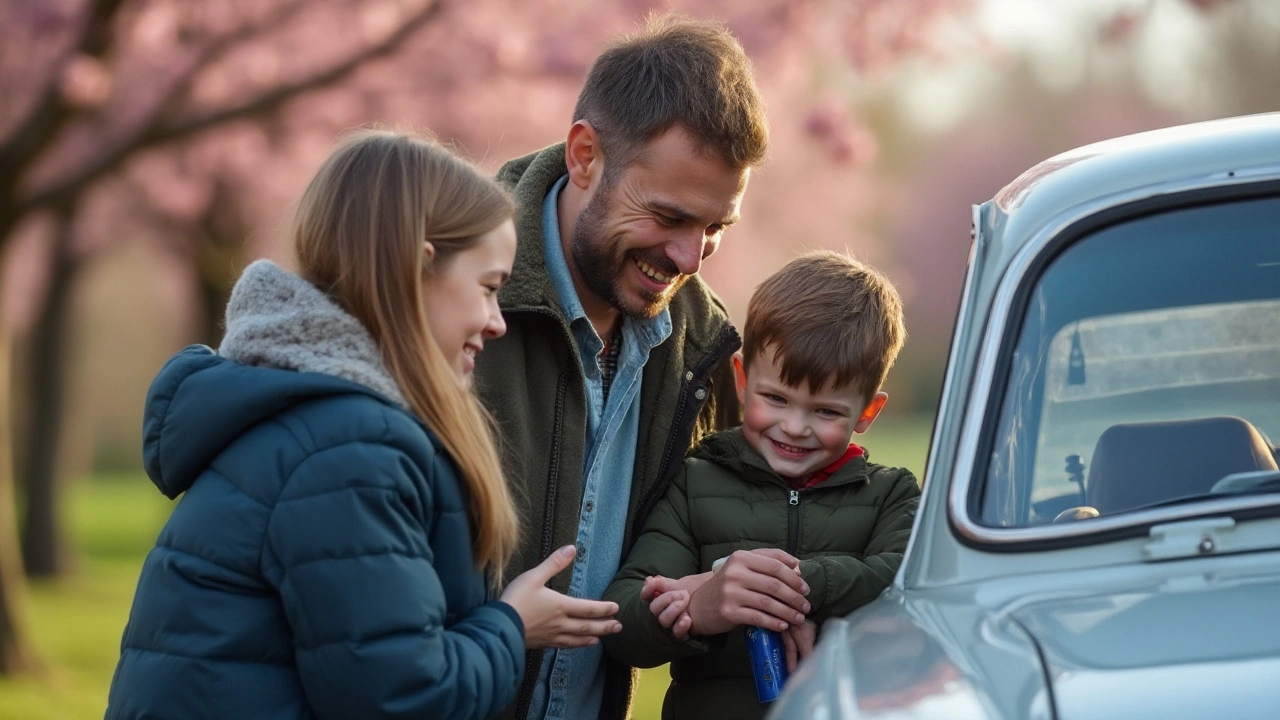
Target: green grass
{"x": 75, "y": 623}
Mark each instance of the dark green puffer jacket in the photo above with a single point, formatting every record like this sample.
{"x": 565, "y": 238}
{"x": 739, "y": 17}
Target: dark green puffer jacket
{"x": 849, "y": 532}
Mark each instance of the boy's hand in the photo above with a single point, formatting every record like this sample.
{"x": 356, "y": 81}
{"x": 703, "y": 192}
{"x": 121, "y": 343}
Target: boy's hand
{"x": 670, "y": 608}
{"x": 669, "y": 600}
{"x": 799, "y": 639}
{"x": 754, "y": 587}
{"x": 655, "y": 585}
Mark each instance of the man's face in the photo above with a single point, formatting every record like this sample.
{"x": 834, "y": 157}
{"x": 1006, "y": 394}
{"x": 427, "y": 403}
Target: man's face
{"x": 641, "y": 237}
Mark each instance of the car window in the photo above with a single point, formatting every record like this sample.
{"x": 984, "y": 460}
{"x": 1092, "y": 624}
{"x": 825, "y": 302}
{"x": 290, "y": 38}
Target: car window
{"x": 1145, "y": 369}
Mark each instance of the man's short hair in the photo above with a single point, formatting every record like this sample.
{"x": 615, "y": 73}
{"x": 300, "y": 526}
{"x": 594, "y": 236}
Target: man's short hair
{"x": 675, "y": 71}
{"x": 830, "y": 319}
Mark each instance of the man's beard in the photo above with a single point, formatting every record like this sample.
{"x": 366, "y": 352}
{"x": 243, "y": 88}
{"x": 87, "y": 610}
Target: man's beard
{"x": 601, "y": 263}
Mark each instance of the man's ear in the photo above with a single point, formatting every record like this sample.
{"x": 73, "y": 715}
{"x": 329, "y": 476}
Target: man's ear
{"x": 582, "y": 154}
{"x": 740, "y": 378}
{"x": 870, "y": 412}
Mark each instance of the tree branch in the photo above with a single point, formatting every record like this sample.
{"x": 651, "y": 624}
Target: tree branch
{"x": 51, "y": 112}
{"x": 217, "y": 49}
{"x": 274, "y": 98}
{"x": 160, "y": 131}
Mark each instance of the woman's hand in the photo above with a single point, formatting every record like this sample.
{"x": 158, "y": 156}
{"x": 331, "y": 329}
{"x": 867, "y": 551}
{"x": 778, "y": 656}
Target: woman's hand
{"x": 552, "y": 619}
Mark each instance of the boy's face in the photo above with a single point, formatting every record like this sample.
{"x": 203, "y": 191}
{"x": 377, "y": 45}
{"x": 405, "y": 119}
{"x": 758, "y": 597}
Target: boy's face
{"x": 798, "y": 431}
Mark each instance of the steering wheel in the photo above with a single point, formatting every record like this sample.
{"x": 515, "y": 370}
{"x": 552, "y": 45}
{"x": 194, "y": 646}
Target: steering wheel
{"x": 1080, "y": 512}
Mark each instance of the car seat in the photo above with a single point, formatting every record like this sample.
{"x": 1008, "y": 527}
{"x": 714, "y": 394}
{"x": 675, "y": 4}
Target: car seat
{"x": 1135, "y": 465}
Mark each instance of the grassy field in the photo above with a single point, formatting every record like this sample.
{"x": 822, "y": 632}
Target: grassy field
{"x": 76, "y": 622}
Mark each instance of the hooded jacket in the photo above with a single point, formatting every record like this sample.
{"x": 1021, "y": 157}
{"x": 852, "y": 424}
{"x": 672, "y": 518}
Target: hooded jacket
{"x": 531, "y": 381}
{"x": 849, "y": 532}
{"x": 318, "y": 564}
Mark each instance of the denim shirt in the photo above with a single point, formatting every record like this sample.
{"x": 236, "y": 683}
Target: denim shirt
{"x": 571, "y": 681}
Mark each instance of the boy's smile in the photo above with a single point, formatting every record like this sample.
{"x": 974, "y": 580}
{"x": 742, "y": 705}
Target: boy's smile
{"x": 796, "y": 430}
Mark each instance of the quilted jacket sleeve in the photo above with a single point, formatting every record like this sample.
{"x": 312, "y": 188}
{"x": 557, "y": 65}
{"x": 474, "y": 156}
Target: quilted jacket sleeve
{"x": 348, "y": 546}
{"x": 839, "y": 585}
{"x": 666, "y": 546}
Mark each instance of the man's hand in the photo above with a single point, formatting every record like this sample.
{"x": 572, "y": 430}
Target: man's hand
{"x": 754, "y": 587}
{"x": 799, "y": 639}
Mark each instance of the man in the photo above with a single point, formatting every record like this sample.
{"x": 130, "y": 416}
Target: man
{"x": 616, "y": 354}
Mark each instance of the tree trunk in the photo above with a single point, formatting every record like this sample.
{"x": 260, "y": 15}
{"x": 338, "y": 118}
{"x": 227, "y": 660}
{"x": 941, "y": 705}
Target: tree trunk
{"x": 214, "y": 294}
{"x": 16, "y": 655}
{"x": 44, "y": 547}
{"x": 219, "y": 258}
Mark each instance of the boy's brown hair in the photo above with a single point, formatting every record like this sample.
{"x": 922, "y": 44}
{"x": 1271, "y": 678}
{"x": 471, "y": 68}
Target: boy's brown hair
{"x": 675, "y": 71}
{"x": 831, "y": 319}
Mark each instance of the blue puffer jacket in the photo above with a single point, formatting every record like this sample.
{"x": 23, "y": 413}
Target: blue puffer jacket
{"x": 318, "y": 566}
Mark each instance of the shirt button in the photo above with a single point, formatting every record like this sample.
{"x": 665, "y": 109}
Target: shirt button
{"x": 559, "y": 680}
{"x": 582, "y": 552}
{"x": 589, "y": 506}
{"x": 700, "y": 393}
{"x": 688, "y": 375}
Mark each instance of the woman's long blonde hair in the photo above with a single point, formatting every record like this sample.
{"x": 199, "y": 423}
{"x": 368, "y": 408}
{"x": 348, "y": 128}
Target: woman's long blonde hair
{"x": 360, "y": 234}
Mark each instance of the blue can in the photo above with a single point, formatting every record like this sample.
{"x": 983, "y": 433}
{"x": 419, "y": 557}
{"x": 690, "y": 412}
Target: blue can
{"x": 768, "y": 662}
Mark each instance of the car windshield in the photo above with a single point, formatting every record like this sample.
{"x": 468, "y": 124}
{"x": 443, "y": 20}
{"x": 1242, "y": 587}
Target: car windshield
{"x": 1146, "y": 370}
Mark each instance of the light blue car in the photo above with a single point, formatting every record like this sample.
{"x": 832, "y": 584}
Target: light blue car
{"x": 1100, "y": 530}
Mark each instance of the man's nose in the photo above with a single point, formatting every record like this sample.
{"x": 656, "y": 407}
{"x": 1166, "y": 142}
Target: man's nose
{"x": 687, "y": 252}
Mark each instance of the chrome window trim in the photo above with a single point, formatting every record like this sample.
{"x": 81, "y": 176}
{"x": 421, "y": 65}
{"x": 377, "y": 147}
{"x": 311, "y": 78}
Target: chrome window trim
{"x": 964, "y": 468}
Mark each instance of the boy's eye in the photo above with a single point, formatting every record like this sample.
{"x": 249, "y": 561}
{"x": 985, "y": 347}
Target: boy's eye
{"x": 829, "y": 412}
{"x": 773, "y": 398}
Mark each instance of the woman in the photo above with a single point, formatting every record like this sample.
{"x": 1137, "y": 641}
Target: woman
{"x": 344, "y": 516}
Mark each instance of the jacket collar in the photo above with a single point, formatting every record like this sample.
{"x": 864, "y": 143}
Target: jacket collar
{"x": 531, "y": 177}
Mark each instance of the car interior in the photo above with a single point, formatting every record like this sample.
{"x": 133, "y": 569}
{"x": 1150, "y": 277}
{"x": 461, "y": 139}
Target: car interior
{"x": 1145, "y": 371}
{"x": 1207, "y": 449}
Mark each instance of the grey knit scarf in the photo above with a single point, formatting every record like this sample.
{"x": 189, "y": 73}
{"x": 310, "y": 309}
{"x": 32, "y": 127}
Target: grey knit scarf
{"x": 277, "y": 319}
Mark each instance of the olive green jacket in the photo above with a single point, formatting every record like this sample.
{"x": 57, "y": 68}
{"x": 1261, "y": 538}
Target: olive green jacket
{"x": 531, "y": 382}
{"x": 849, "y": 533}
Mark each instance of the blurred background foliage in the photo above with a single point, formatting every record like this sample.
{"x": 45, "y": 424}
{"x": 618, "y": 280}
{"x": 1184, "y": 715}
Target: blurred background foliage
{"x": 149, "y": 149}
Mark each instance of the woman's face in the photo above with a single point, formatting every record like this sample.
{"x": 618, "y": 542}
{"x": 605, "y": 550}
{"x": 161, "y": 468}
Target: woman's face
{"x": 461, "y": 298}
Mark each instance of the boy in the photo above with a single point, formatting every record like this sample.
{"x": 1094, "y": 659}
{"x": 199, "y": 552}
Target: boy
{"x": 786, "y": 487}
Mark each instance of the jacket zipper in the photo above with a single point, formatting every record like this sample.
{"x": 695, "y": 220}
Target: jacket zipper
{"x": 793, "y": 521}
{"x": 682, "y": 429}
{"x": 553, "y": 474}
{"x": 533, "y": 658}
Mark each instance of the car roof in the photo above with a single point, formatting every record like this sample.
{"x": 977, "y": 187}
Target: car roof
{"x": 1135, "y": 166}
